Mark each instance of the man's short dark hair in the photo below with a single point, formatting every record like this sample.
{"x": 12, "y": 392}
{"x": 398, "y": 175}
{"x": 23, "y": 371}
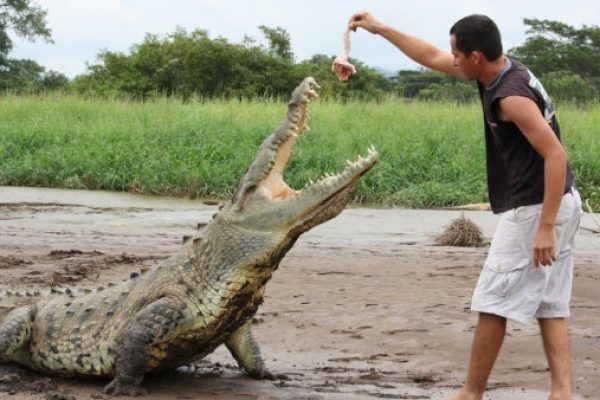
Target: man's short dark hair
{"x": 478, "y": 32}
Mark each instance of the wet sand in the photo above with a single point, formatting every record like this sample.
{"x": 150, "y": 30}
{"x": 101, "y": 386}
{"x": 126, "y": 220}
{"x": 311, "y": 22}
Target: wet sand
{"x": 363, "y": 307}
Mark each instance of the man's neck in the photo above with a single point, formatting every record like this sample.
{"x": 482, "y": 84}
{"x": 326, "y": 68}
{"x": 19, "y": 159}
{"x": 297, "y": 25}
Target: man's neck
{"x": 492, "y": 70}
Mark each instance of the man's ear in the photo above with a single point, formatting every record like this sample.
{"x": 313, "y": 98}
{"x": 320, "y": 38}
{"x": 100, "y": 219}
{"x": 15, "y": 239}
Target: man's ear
{"x": 478, "y": 57}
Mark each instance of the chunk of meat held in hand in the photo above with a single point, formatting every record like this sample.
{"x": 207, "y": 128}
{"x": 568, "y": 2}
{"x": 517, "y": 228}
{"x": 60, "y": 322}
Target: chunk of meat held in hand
{"x": 341, "y": 67}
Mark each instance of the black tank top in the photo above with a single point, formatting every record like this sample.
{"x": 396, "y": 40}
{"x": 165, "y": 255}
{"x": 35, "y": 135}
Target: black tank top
{"x": 515, "y": 170}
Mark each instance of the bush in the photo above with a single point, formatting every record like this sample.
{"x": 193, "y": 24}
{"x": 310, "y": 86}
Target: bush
{"x": 459, "y": 92}
{"x": 568, "y": 86}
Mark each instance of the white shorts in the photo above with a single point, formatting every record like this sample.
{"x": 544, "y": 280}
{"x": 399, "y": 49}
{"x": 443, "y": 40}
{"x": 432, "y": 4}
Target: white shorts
{"x": 510, "y": 285}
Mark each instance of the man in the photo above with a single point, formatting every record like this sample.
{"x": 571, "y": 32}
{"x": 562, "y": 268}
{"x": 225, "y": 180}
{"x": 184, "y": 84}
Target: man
{"x": 529, "y": 270}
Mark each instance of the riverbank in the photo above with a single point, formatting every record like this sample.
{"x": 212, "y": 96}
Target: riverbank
{"x": 363, "y": 307}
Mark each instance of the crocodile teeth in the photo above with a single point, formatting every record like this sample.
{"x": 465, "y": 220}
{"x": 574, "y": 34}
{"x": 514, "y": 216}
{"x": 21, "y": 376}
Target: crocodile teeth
{"x": 330, "y": 180}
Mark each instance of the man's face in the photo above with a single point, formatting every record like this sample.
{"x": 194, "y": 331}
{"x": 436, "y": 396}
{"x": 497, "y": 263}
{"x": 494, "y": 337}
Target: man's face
{"x": 467, "y": 65}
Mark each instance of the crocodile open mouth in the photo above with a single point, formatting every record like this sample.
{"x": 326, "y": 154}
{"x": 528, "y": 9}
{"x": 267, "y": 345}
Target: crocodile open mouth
{"x": 265, "y": 174}
{"x": 274, "y": 185}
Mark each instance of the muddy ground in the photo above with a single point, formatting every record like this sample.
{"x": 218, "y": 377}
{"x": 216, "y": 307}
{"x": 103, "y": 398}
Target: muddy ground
{"x": 363, "y": 307}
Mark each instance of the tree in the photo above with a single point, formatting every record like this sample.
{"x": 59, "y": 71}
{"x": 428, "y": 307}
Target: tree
{"x": 187, "y": 64}
{"x": 409, "y": 83}
{"x": 27, "y": 76}
{"x": 567, "y": 86}
{"x": 20, "y": 75}
{"x": 279, "y": 41}
{"x": 456, "y": 92}
{"x": 52, "y": 80}
{"x": 554, "y": 46}
{"x": 432, "y": 85}
{"x": 24, "y": 18}
{"x": 367, "y": 83}
{"x": 27, "y": 20}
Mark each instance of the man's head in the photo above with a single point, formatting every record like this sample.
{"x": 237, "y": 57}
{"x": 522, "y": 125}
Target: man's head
{"x": 475, "y": 40}
{"x": 480, "y": 33}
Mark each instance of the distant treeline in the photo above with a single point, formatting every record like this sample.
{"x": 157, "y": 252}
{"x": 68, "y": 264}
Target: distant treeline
{"x": 192, "y": 64}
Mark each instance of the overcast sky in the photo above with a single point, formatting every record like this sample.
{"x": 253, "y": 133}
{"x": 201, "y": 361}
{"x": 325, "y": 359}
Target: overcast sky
{"x": 81, "y": 28}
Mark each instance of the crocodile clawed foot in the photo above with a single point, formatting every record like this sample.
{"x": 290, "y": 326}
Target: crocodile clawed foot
{"x": 279, "y": 377}
{"x": 268, "y": 375}
{"x": 116, "y": 388}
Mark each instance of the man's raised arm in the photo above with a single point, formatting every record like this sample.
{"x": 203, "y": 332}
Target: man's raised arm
{"x": 417, "y": 49}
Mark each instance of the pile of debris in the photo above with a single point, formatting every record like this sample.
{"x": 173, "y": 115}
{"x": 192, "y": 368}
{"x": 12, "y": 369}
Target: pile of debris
{"x": 461, "y": 232}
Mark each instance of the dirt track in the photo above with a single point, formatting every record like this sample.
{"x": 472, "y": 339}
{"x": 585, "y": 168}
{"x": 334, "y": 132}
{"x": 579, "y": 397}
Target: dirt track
{"x": 363, "y": 307}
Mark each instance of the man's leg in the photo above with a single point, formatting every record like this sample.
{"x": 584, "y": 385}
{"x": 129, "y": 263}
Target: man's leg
{"x": 489, "y": 336}
{"x": 555, "y": 333}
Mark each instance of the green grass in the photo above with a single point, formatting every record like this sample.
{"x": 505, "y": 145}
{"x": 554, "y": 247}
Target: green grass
{"x": 431, "y": 154}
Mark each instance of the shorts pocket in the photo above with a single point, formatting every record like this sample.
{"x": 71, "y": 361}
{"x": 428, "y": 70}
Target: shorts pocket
{"x": 502, "y": 276}
{"x": 526, "y": 214}
{"x": 570, "y": 208}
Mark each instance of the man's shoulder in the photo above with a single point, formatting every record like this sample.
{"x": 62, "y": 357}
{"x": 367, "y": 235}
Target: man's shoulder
{"x": 517, "y": 81}
{"x": 524, "y": 83}
{"x": 517, "y": 74}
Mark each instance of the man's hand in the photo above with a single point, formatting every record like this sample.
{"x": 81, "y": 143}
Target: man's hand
{"x": 527, "y": 116}
{"x": 366, "y": 21}
{"x": 543, "y": 246}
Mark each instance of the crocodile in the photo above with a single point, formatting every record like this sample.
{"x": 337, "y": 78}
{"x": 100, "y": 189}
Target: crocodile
{"x": 205, "y": 295}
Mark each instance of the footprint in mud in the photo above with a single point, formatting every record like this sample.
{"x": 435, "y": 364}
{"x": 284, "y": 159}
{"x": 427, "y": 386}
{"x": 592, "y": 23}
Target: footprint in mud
{"x": 72, "y": 274}
{"x": 344, "y": 360}
{"x": 7, "y": 262}
{"x": 65, "y": 253}
{"x": 304, "y": 326}
{"x": 334, "y": 273}
{"x": 352, "y": 333}
{"x": 397, "y": 331}
{"x": 15, "y": 380}
{"x": 372, "y": 357}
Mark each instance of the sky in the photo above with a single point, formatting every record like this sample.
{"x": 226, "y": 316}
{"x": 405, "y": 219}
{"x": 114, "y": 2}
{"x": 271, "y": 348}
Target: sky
{"x": 82, "y": 28}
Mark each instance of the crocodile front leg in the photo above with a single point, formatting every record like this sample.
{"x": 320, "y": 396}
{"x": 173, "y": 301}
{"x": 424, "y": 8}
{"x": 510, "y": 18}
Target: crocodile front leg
{"x": 154, "y": 322}
{"x": 245, "y": 350}
{"x": 15, "y": 330}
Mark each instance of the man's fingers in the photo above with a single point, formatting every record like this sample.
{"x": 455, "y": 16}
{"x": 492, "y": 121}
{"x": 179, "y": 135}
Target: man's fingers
{"x": 356, "y": 19}
{"x": 544, "y": 257}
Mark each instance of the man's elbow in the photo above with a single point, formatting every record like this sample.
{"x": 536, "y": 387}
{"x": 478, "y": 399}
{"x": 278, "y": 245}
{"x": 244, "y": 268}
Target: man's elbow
{"x": 558, "y": 155}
